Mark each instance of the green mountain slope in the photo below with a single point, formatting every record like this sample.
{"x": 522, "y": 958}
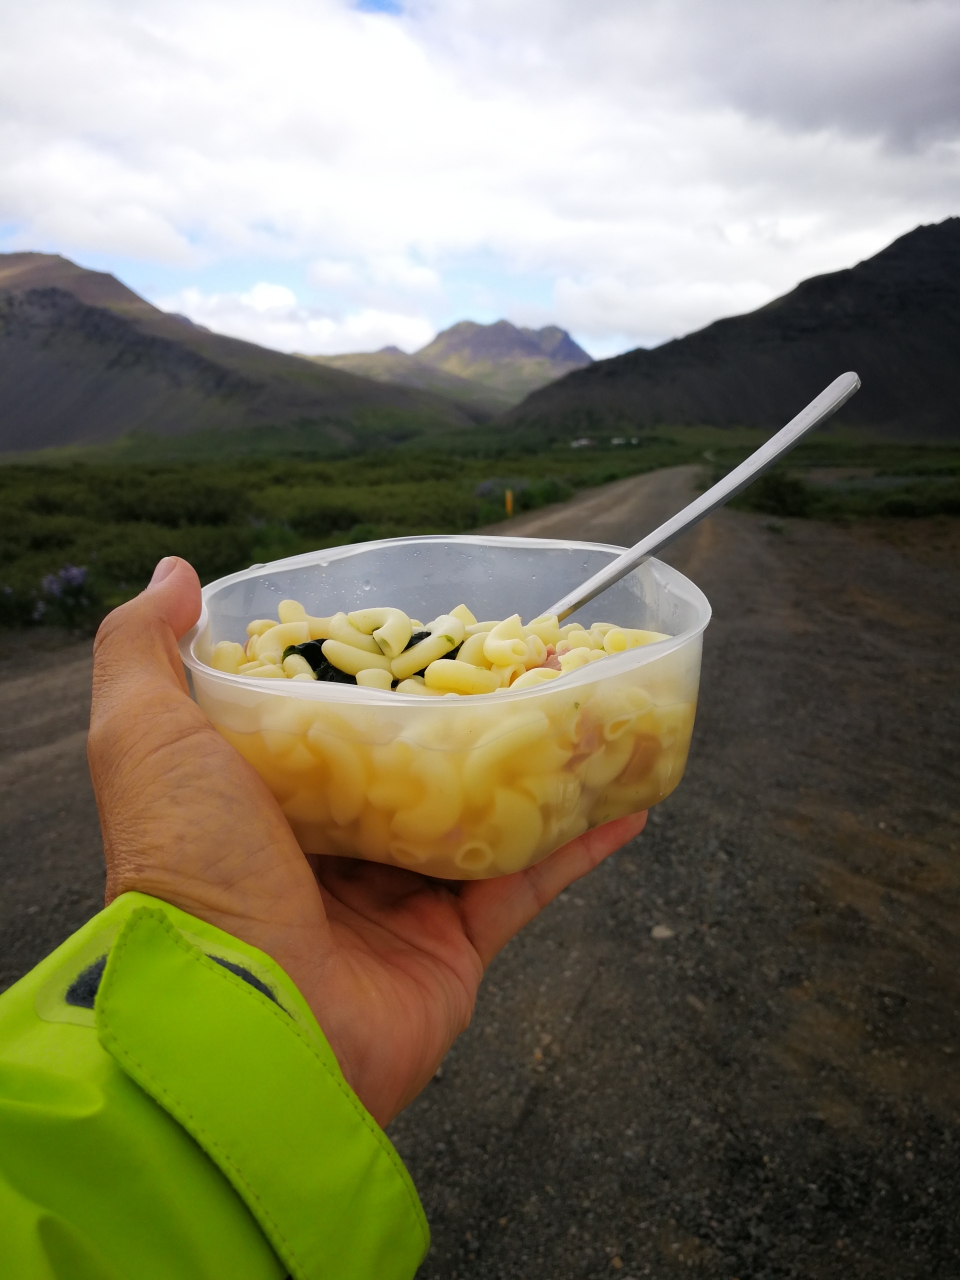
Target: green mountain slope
{"x": 84, "y": 360}
{"x": 894, "y": 318}
{"x": 392, "y": 365}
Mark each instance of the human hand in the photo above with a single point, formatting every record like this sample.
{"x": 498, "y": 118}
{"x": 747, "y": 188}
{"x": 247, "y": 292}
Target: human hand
{"x": 388, "y": 960}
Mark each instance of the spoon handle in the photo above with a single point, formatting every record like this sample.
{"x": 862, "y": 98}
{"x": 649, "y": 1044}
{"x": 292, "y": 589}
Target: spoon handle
{"x": 817, "y": 411}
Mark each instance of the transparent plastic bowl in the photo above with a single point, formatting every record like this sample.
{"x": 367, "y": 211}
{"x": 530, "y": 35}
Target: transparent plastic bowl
{"x": 459, "y": 787}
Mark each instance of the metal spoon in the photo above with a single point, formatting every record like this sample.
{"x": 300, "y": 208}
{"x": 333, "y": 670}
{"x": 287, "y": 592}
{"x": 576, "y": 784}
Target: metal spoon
{"x": 817, "y": 411}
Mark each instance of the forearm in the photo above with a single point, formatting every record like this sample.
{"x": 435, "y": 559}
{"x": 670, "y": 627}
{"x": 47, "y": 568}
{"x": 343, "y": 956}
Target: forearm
{"x": 169, "y": 1106}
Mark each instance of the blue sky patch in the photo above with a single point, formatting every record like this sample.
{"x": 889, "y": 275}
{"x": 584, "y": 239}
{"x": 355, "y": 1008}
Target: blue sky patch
{"x": 379, "y": 6}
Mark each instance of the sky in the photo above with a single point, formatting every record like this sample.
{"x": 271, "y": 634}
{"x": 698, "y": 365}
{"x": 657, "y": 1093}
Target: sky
{"x": 327, "y": 175}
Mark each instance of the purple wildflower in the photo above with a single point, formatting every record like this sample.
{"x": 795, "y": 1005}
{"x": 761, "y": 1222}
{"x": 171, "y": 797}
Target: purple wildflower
{"x": 72, "y": 576}
{"x": 69, "y": 576}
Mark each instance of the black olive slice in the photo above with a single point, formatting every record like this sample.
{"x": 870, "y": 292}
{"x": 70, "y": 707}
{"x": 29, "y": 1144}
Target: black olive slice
{"x": 319, "y": 663}
{"x": 415, "y": 639}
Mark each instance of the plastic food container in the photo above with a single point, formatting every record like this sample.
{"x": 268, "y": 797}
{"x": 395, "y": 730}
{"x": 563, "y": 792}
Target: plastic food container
{"x": 459, "y": 787}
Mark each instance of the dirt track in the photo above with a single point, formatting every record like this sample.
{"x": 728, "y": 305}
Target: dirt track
{"x": 773, "y": 1091}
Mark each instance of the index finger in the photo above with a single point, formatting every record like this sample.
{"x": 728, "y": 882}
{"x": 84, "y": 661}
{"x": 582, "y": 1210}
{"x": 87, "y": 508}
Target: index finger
{"x": 493, "y": 911}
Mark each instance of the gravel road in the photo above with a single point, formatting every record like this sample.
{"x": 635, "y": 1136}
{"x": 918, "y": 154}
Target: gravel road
{"x": 733, "y": 1050}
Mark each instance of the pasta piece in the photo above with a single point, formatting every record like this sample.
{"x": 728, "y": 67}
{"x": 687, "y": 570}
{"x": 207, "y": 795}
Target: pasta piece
{"x": 392, "y": 758}
{"x": 621, "y": 711}
{"x": 557, "y": 791}
{"x": 279, "y": 743}
{"x": 372, "y": 833}
{"x": 416, "y": 684}
{"x": 504, "y": 644}
{"x": 297, "y": 759}
{"x": 307, "y": 806}
{"x": 407, "y": 855}
{"x": 471, "y": 651}
{"x": 228, "y": 656}
{"x": 280, "y": 637}
{"x": 481, "y": 769}
{"x": 446, "y": 676}
{"x": 374, "y": 678}
{"x": 340, "y": 629}
{"x": 288, "y": 715}
{"x": 509, "y": 674}
{"x": 607, "y": 763}
{"x": 618, "y": 639}
{"x": 481, "y": 628}
{"x": 532, "y": 679}
{"x": 291, "y": 611}
{"x": 392, "y": 793}
{"x": 259, "y": 626}
{"x": 446, "y": 632}
{"x": 295, "y": 665}
{"x": 346, "y": 658}
{"x": 578, "y": 657}
{"x": 473, "y": 856}
{"x": 347, "y": 785}
{"x": 391, "y": 628}
{"x": 546, "y": 627}
{"x": 569, "y": 724}
{"x": 550, "y": 757}
{"x": 578, "y": 639}
{"x": 535, "y": 652}
{"x": 464, "y": 614}
{"x": 440, "y": 807}
{"x": 518, "y": 825}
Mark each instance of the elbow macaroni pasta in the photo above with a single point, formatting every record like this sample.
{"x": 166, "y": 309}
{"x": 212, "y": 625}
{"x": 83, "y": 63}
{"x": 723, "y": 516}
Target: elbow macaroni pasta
{"x": 483, "y": 790}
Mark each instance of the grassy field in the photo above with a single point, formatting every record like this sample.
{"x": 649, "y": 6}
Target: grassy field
{"x": 84, "y": 528}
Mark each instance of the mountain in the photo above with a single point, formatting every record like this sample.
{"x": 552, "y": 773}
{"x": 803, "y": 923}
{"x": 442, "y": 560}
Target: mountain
{"x": 894, "y": 319}
{"x": 488, "y": 367}
{"x": 514, "y": 361}
{"x": 85, "y": 360}
{"x": 392, "y": 365}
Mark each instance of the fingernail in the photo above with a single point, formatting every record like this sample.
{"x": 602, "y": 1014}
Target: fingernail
{"x": 163, "y": 570}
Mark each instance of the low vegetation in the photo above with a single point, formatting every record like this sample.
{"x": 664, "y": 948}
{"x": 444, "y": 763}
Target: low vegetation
{"x": 906, "y": 482}
{"x": 83, "y": 529}
{"x": 114, "y": 516}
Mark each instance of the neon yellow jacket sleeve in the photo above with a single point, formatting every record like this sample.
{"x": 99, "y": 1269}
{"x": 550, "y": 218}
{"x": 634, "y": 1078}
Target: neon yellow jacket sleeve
{"x": 169, "y": 1107}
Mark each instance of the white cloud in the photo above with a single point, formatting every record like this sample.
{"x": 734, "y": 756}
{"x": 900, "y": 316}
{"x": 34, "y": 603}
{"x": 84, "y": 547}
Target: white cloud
{"x": 630, "y": 169}
{"x": 265, "y": 297}
{"x": 270, "y": 315}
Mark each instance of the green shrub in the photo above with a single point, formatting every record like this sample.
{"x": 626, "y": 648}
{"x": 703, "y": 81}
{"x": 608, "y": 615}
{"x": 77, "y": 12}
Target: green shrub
{"x": 778, "y": 494}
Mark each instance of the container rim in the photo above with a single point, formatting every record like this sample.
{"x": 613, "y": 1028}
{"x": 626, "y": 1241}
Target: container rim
{"x": 322, "y": 691}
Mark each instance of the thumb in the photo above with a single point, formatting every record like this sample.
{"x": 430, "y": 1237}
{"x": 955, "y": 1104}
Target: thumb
{"x": 174, "y": 590}
{"x": 137, "y": 643}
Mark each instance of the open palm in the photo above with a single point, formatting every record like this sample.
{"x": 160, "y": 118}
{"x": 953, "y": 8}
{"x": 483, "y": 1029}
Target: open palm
{"x": 388, "y": 960}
